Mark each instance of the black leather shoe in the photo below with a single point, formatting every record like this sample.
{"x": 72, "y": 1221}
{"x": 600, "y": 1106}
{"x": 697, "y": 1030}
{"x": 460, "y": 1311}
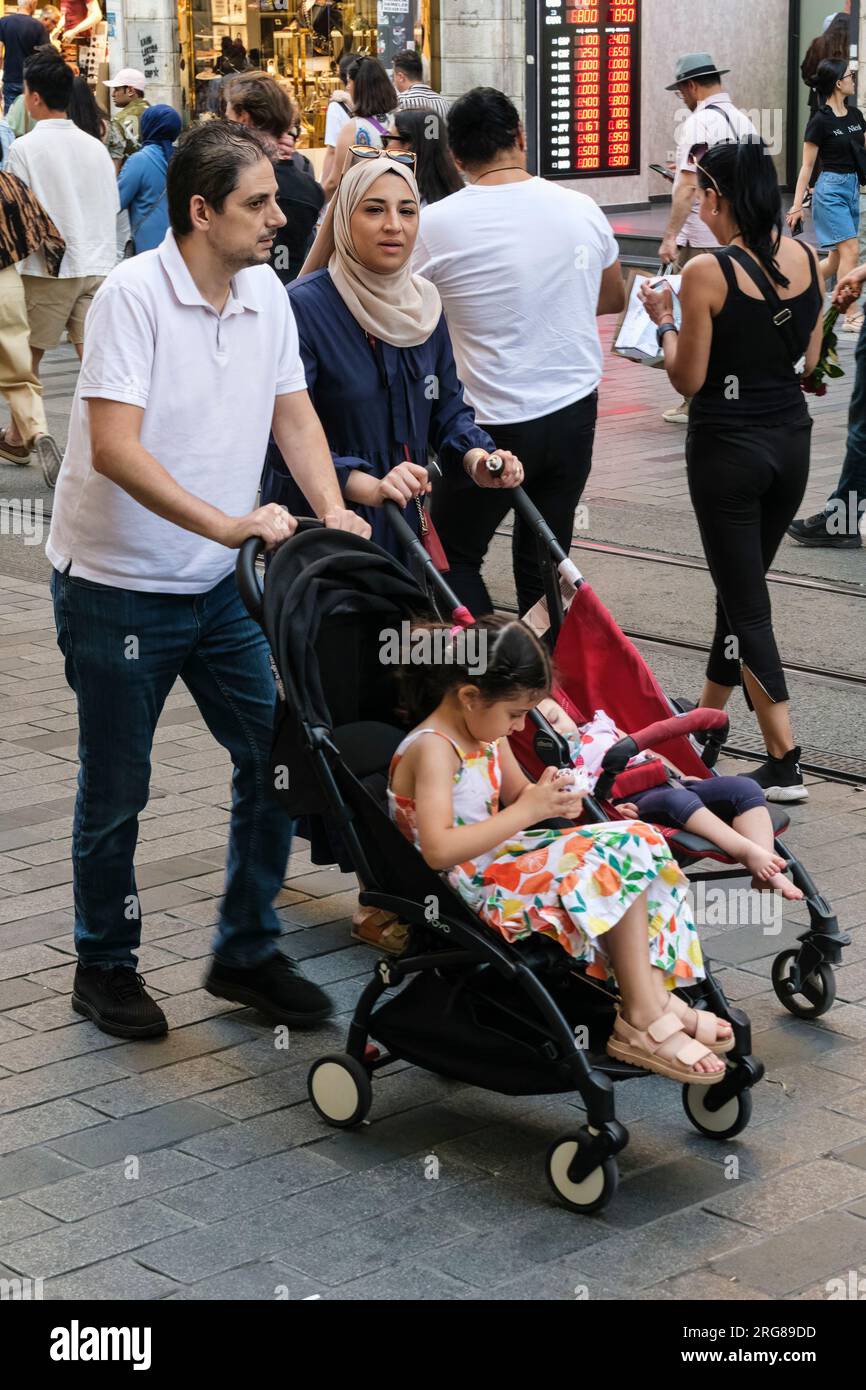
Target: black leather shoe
{"x": 276, "y": 988}
{"x": 117, "y": 1002}
{"x": 813, "y": 530}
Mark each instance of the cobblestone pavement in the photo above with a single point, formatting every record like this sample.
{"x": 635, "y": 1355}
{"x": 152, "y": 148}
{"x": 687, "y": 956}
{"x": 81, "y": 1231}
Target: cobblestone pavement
{"x": 195, "y": 1168}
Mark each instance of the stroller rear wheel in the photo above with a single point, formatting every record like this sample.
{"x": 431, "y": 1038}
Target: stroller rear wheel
{"x": 594, "y": 1191}
{"x": 731, "y": 1118}
{"x": 340, "y": 1090}
{"x": 817, "y": 990}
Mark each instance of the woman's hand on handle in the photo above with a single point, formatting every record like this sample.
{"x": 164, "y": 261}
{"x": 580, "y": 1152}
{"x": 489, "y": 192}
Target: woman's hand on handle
{"x": 404, "y": 482}
{"x": 509, "y": 475}
{"x": 273, "y": 523}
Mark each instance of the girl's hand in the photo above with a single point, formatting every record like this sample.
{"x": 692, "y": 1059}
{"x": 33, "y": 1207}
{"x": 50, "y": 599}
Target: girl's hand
{"x": 404, "y": 482}
{"x": 659, "y": 303}
{"x": 552, "y": 796}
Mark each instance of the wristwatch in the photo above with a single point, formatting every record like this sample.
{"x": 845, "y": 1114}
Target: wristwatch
{"x": 664, "y": 328}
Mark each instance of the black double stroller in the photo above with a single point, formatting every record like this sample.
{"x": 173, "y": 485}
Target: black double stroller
{"x": 521, "y": 1019}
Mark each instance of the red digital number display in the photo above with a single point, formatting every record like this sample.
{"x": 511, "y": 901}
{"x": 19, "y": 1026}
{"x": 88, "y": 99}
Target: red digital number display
{"x": 588, "y": 87}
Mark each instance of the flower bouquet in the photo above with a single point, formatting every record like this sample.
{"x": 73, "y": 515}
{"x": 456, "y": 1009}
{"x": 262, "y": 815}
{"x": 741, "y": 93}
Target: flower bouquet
{"x": 828, "y": 363}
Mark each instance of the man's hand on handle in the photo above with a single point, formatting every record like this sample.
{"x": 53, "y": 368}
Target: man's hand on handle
{"x": 509, "y": 475}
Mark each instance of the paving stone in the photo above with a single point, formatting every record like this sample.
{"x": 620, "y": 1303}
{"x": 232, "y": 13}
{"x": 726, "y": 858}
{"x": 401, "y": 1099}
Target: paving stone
{"x": 118, "y": 1278}
{"x": 199, "y": 1252}
{"x": 638, "y": 1259}
{"x": 25, "y": 960}
{"x": 31, "y": 1168}
{"x": 169, "y": 895}
{"x": 177, "y": 979}
{"x": 323, "y": 912}
{"x": 41, "y": 1123}
{"x": 257, "y": 1184}
{"x": 407, "y": 1182}
{"x": 812, "y": 1250}
{"x": 407, "y": 1282}
{"x": 138, "y": 1134}
{"x": 10, "y": 1031}
{"x": 18, "y": 1220}
{"x": 261, "y": 1055}
{"x": 67, "y": 1247}
{"x": 704, "y": 1285}
{"x": 775, "y": 1203}
{"x": 358, "y": 1250}
{"x": 242, "y": 1142}
{"x": 851, "y": 982}
{"x": 351, "y": 963}
{"x": 49, "y": 1012}
{"x": 848, "y": 1061}
{"x": 101, "y": 1189}
{"x": 749, "y": 944}
{"x": 554, "y": 1282}
{"x": 324, "y": 883}
{"x": 273, "y": 1091}
{"x": 740, "y": 984}
{"x": 183, "y": 1009}
{"x": 847, "y": 1019}
{"x": 854, "y": 1104}
{"x": 57, "y": 1079}
{"x": 40, "y": 1049}
{"x": 428, "y": 1128}
{"x": 219, "y": 1035}
{"x": 260, "y": 1280}
{"x": 193, "y": 1076}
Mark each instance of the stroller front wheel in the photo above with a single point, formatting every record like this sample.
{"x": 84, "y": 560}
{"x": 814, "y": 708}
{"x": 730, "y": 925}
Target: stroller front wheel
{"x": 817, "y": 990}
{"x": 596, "y": 1189}
{"x": 730, "y": 1119}
{"x": 340, "y": 1091}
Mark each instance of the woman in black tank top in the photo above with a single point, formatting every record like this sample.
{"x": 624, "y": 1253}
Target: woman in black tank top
{"x": 747, "y": 451}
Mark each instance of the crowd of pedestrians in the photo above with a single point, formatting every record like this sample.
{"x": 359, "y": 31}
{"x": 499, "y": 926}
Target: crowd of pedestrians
{"x": 371, "y": 335}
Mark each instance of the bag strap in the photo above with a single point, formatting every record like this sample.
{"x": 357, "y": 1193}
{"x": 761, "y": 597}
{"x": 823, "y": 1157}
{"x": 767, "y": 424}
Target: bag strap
{"x": 153, "y": 207}
{"x": 712, "y": 107}
{"x": 782, "y": 316}
{"x": 382, "y": 129}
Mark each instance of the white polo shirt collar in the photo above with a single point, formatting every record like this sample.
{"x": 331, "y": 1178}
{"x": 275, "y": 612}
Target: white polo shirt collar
{"x": 242, "y": 296}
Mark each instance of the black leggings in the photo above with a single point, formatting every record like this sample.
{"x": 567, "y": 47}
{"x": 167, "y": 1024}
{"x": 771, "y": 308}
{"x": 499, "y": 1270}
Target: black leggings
{"x": 746, "y": 484}
{"x": 556, "y": 453}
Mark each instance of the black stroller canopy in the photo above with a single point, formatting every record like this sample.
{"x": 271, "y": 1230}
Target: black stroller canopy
{"x": 323, "y": 575}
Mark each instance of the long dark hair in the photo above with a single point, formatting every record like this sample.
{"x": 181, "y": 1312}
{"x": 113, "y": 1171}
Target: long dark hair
{"x": 375, "y": 94}
{"x": 835, "y": 42}
{"x": 84, "y": 110}
{"x": 513, "y": 661}
{"x": 829, "y": 72}
{"x": 435, "y": 171}
{"x": 744, "y": 173}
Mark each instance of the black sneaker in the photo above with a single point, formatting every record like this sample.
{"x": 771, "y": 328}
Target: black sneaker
{"x": 276, "y": 988}
{"x": 117, "y": 1002}
{"x": 813, "y": 531}
{"x": 781, "y": 778}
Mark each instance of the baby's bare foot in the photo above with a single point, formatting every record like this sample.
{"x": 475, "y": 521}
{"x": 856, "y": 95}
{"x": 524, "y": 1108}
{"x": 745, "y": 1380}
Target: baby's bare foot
{"x": 763, "y": 862}
{"x": 779, "y": 883}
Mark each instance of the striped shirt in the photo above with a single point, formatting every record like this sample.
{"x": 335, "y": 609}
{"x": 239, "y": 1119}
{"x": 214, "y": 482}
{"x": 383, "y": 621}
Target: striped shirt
{"x": 419, "y": 94}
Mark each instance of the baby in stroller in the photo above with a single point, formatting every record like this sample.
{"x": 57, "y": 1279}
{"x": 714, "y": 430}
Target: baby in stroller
{"x": 610, "y": 894}
{"x": 729, "y": 811}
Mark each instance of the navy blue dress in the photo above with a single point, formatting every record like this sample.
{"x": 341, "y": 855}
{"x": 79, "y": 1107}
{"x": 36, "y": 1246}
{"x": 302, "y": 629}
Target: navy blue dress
{"x": 373, "y": 400}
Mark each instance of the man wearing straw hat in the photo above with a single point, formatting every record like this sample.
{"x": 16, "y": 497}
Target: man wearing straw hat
{"x": 713, "y": 117}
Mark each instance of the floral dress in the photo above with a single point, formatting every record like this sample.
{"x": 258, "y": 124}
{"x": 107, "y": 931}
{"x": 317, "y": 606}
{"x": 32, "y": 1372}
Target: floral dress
{"x": 571, "y": 885}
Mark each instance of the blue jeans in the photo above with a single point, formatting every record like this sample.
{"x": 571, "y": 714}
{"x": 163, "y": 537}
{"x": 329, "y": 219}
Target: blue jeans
{"x": 851, "y": 487}
{"x": 124, "y": 650}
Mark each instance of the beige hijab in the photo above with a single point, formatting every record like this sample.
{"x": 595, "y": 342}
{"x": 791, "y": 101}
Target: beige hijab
{"x": 400, "y": 308}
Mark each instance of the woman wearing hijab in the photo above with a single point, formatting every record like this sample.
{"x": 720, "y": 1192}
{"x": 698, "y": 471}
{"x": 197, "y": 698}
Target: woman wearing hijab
{"x": 381, "y": 375}
{"x": 377, "y": 355}
{"x": 141, "y": 181}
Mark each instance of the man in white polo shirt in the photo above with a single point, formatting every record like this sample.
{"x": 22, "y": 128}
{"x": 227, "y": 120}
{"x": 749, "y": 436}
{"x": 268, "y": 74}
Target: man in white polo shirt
{"x": 523, "y": 267}
{"x": 191, "y": 359}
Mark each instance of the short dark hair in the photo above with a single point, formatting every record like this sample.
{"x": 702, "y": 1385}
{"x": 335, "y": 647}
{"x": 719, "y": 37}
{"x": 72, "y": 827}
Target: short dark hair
{"x": 409, "y": 63}
{"x": 208, "y": 161}
{"x": 46, "y": 73}
{"x": 481, "y": 124}
{"x": 375, "y": 94}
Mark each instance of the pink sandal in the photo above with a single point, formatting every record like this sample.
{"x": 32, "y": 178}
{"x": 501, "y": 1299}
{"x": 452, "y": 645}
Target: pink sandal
{"x": 706, "y": 1031}
{"x": 664, "y": 1047}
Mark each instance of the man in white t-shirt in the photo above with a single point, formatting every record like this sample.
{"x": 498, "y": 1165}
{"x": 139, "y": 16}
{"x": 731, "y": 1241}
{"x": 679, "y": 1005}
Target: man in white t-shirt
{"x": 523, "y": 267}
{"x": 72, "y": 176}
{"x": 191, "y": 359}
{"x": 713, "y": 117}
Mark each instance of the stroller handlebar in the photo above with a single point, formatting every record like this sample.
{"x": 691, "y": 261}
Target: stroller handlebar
{"x": 248, "y": 582}
{"x": 617, "y": 757}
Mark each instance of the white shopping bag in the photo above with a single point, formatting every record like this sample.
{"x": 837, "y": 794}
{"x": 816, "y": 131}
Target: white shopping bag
{"x": 635, "y": 335}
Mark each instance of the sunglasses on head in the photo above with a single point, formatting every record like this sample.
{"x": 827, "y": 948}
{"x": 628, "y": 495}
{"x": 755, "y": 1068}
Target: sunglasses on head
{"x": 370, "y": 152}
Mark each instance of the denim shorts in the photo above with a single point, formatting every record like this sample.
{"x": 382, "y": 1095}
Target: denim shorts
{"x": 836, "y": 208}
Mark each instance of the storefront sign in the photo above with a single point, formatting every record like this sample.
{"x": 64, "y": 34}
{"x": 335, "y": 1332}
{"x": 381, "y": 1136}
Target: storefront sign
{"x": 588, "y": 88}
{"x": 395, "y": 22}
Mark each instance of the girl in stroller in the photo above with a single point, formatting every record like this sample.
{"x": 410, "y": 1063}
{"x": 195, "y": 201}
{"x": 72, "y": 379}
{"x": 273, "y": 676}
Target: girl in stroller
{"x": 610, "y": 894}
{"x": 730, "y": 811}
